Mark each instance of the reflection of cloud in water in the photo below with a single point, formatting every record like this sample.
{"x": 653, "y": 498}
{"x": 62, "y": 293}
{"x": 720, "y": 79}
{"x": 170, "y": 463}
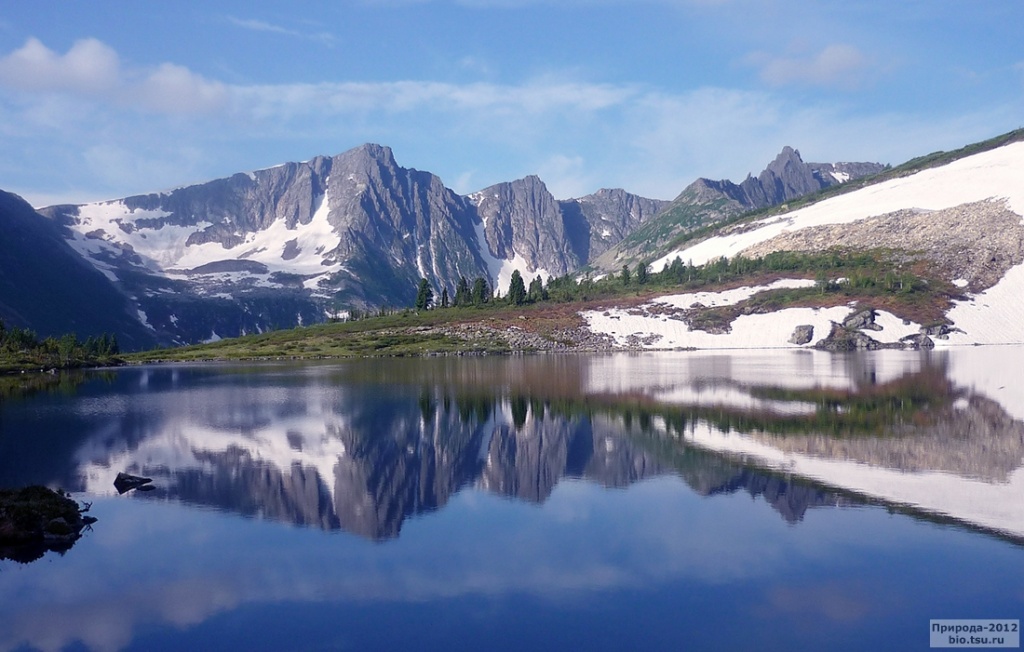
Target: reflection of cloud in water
{"x": 162, "y": 574}
{"x": 837, "y": 603}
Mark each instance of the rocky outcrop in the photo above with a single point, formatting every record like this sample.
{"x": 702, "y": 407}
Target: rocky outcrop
{"x": 36, "y": 519}
{"x": 862, "y": 319}
{"x": 846, "y": 339}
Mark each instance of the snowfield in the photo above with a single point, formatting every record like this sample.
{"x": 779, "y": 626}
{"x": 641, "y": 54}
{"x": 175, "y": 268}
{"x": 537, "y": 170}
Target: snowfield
{"x": 164, "y": 250}
{"x": 995, "y": 316}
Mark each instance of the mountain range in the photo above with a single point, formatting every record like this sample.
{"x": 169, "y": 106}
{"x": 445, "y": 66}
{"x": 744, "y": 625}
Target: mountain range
{"x": 299, "y": 242}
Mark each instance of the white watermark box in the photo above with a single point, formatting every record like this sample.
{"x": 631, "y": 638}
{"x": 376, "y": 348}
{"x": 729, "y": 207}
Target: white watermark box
{"x": 994, "y": 633}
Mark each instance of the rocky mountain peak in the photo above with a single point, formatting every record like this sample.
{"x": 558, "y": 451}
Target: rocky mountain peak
{"x": 371, "y": 151}
{"x": 785, "y": 166}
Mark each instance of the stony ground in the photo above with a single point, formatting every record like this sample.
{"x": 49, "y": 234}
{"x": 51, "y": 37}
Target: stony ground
{"x": 978, "y": 242}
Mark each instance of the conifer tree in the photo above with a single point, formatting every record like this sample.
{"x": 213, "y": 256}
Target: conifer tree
{"x": 425, "y": 295}
{"x": 480, "y": 291}
{"x": 517, "y": 289}
{"x": 462, "y": 293}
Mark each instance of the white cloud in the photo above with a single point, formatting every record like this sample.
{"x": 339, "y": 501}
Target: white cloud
{"x": 837, "y": 65}
{"x": 395, "y": 97}
{"x": 263, "y": 26}
{"x": 176, "y": 89}
{"x": 577, "y": 135}
{"x": 89, "y": 67}
{"x": 114, "y": 162}
{"x": 93, "y": 70}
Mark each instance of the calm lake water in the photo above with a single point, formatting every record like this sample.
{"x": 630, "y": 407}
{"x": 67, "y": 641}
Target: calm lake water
{"x": 678, "y": 501}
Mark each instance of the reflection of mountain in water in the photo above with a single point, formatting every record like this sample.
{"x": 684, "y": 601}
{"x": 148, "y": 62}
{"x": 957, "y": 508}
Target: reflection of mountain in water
{"x": 790, "y": 499}
{"x": 973, "y": 438}
{"x": 366, "y": 463}
{"x": 364, "y": 446}
{"x": 389, "y": 461}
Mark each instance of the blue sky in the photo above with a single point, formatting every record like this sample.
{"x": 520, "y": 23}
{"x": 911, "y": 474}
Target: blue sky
{"x": 110, "y": 98}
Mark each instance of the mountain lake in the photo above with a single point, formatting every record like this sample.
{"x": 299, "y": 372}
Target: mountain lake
{"x": 661, "y": 501}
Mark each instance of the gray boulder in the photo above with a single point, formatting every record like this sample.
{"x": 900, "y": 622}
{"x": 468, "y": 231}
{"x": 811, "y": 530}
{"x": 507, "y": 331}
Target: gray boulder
{"x": 865, "y": 319}
{"x": 802, "y": 334}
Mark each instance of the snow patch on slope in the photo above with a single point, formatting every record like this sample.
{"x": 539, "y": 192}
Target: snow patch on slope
{"x": 650, "y": 328}
{"x": 501, "y": 269}
{"x": 165, "y": 249}
{"x": 313, "y": 241}
{"x": 995, "y": 316}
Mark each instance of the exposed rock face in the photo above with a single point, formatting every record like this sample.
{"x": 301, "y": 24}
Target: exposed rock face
{"x": 788, "y": 177}
{"x": 597, "y": 222}
{"x": 521, "y": 218}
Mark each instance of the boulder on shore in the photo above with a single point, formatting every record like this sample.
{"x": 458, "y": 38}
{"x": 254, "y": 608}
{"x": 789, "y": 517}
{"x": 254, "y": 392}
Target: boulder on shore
{"x": 802, "y": 334}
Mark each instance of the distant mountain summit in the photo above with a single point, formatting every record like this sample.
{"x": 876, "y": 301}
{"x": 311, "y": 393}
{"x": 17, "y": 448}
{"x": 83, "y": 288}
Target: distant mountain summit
{"x": 788, "y": 177}
{"x": 705, "y": 202}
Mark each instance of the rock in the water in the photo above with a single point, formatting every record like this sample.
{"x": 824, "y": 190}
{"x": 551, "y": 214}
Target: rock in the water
{"x": 802, "y": 334}
{"x": 126, "y": 482}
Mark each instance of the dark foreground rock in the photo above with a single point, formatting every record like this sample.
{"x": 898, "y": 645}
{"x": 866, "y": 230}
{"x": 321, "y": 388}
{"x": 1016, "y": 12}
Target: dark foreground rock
{"x": 36, "y": 519}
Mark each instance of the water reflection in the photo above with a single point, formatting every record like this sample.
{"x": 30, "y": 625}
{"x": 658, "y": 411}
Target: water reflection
{"x": 625, "y": 502}
{"x": 364, "y": 445}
